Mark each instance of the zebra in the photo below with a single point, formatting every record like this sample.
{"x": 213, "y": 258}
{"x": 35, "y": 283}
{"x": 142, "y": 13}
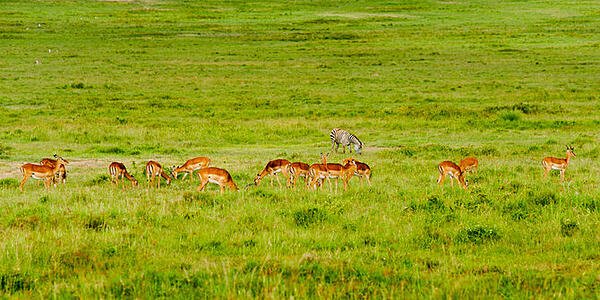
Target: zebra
{"x": 345, "y": 138}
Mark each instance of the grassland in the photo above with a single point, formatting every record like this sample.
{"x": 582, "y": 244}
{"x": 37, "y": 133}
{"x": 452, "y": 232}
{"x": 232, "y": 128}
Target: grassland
{"x": 244, "y": 82}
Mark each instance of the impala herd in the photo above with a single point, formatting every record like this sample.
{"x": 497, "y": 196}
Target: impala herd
{"x": 53, "y": 171}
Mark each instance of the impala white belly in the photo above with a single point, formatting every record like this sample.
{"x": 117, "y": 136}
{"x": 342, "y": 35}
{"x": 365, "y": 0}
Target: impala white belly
{"x": 213, "y": 180}
{"x": 37, "y": 176}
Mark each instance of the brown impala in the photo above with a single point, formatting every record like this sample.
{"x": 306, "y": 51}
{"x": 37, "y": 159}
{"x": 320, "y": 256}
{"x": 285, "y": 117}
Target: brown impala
{"x": 318, "y": 173}
{"x": 363, "y": 170}
{"x": 61, "y": 174}
{"x": 153, "y": 170}
{"x": 117, "y": 170}
{"x": 451, "y": 169}
{"x": 298, "y": 169}
{"x": 42, "y": 172}
{"x": 217, "y": 176}
{"x": 345, "y": 172}
{"x": 469, "y": 164}
{"x": 561, "y": 164}
{"x": 273, "y": 168}
{"x": 190, "y": 166}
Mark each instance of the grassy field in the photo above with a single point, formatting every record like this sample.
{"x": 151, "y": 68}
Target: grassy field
{"x": 244, "y": 82}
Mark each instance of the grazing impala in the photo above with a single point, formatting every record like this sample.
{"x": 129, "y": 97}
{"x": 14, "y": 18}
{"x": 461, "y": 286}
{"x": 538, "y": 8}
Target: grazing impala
{"x": 318, "y": 172}
{"x": 117, "y": 170}
{"x": 451, "y": 169}
{"x": 154, "y": 169}
{"x": 217, "y": 176}
{"x": 43, "y": 172}
{"x": 61, "y": 174}
{"x": 561, "y": 164}
{"x": 469, "y": 164}
{"x": 298, "y": 169}
{"x": 273, "y": 168}
{"x": 362, "y": 170}
{"x": 190, "y": 166}
{"x": 345, "y": 172}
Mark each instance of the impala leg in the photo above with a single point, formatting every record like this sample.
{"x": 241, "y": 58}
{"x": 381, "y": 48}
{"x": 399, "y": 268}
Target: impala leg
{"x": 202, "y": 184}
{"x": 25, "y": 178}
{"x": 441, "y": 179}
{"x": 295, "y": 180}
{"x": 222, "y": 188}
{"x": 47, "y": 182}
{"x": 278, "y": 181}
{"x": 562, "y": 175}
{"x": 314, "y": 182}
{"x": 123, "y": 181}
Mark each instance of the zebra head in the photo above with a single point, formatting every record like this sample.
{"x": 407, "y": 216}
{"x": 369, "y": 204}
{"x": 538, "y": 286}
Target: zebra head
{"x": 358, "y": 148}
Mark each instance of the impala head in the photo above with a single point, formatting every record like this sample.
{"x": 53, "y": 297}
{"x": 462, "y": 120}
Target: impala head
{"x": 61, "y": 160}
{"x": 570, "y": 150}
{"x": 463, "y": 180}
{"x": 174, "y": 172}
{"x": 257, "y": 179}
{"x": 324, "y": 158}
{"x": 350, "y": 161}
{"x": 134, "y": 181}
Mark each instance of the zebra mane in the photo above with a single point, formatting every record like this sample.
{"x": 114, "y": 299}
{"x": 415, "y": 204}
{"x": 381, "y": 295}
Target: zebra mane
{"x": 359, "y": 141}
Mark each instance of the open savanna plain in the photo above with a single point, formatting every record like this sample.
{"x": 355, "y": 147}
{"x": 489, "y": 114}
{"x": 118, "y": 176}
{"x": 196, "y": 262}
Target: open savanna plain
{"x": 244, "y": 82}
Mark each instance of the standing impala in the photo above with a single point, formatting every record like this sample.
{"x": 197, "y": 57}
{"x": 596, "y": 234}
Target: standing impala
{"x": 153, "y": 170}
{"x": 273, "y": 168}
{"x": 469, "y": 164}
{"x": 561, "y": 164}
{"x": 43, "y": 172}
{"x": 217, "y": 176}
{"x": 362, "y": 170}
{"x": 117, "y": 170}
{"x": 190, "y": 166}
{"x": 318, "y": 173}
{"x": 61, "y": 174}
{"x": 298, "y": 169}
{"x": 345, "y": 172}
{"x": 451, "y": 169}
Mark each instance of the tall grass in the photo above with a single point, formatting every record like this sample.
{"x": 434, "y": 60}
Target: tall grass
{"x": 245, "y": 82}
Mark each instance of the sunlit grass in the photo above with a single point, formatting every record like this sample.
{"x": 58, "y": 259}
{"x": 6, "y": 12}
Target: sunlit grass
{"x": 243, "y": 83}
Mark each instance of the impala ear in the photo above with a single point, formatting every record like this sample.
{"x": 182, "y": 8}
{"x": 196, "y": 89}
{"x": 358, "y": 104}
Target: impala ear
{"x": 55, "y": 156}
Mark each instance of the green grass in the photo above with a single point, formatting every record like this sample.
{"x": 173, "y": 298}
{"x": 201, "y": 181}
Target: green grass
{"x": 246, "y": 82}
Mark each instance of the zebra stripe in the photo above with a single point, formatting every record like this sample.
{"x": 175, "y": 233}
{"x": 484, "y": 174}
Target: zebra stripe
{"x": 344, "y": 138}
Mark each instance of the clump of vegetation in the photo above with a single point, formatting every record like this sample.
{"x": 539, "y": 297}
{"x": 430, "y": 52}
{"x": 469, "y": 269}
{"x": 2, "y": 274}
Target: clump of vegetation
{"x": 568, "y": 227}
{"x": 245, "y": 82}
{"x": 7, "y": 183}
{"x": 477, "y": 234}
{"x": 96, "y": 223}
{"x": 309, "y": 216}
